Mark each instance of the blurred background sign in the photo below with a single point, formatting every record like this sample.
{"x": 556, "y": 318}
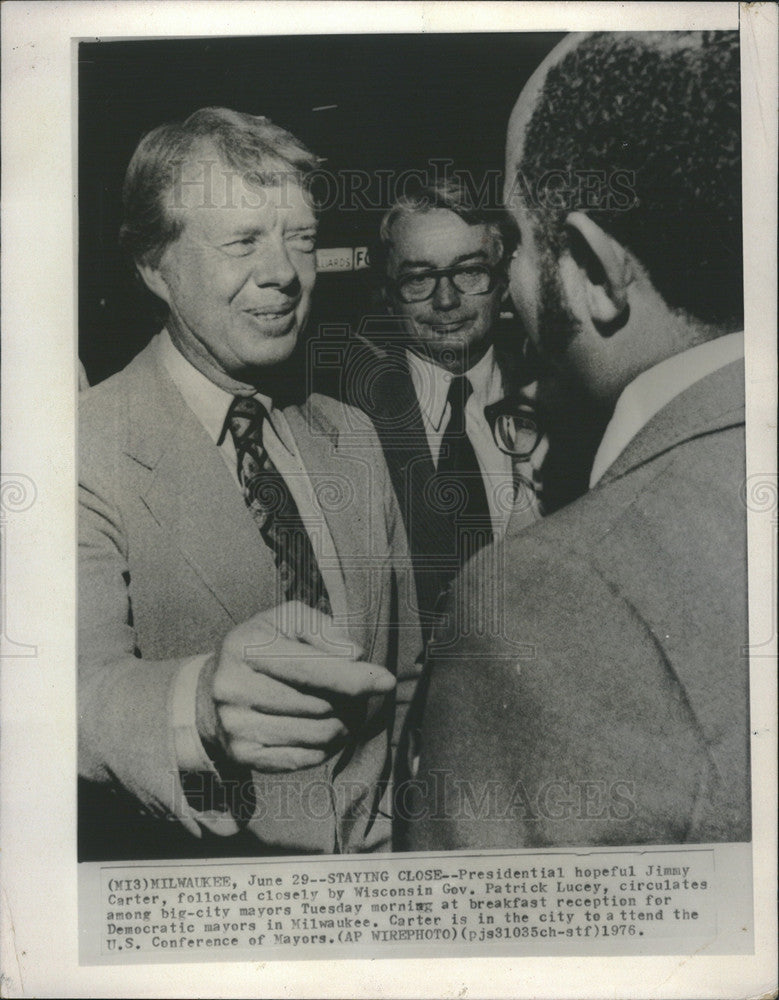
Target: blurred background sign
{"x": 337, "y": 259}
{"x": 342, "y": 259}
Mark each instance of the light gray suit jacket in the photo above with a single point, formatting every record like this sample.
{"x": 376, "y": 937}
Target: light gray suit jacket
{"x": 170, "y": 560}
{"x": 605, "y": 700}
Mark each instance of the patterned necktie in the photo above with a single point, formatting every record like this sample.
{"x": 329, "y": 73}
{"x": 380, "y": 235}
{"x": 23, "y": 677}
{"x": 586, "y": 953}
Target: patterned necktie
{"x": 460, "y": 484}
{"x": 273, "y": 508}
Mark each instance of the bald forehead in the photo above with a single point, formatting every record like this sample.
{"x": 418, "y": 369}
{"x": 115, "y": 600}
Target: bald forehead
{"x": 528, "y": 99}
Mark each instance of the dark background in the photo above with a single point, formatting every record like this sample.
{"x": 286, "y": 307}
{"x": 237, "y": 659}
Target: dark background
{"x": 401, "y": 102}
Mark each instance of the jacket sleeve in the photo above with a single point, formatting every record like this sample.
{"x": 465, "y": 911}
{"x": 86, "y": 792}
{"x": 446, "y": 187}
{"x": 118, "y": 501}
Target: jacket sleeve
{"x": 125, "y": 702}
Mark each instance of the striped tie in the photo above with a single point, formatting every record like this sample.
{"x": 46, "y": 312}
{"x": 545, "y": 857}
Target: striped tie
{"x": 273, "y": 508}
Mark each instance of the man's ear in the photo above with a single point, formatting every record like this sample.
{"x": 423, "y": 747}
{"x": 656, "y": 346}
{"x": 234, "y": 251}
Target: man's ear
{"x": 154, "y": 281}
{"x": 606, "y": 270}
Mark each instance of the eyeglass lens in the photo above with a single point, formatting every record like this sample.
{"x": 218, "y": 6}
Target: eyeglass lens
{"x": 516, "y": 434}
{"x": 475, "y": 280}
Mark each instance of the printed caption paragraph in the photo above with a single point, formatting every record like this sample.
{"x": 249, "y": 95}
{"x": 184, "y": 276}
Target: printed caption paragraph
{"x": 639, "y": 902}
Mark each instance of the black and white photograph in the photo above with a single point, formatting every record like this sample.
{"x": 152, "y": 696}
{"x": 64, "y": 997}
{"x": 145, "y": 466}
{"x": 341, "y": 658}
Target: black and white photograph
{"x": 582, "y": 680}
{"x": 412, "y": 499}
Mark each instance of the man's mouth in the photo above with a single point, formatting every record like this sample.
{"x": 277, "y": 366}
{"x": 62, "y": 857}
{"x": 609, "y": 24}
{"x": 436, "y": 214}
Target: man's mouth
{"x": 275, "y": 321}
{"x": 270, "y": 314}
{"x": 444, "y": 329}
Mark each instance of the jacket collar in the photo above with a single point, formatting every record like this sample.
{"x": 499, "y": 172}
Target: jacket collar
{"x": 152, "y": 390}
{"x": 655, "y": 388}
{"x": 710, "y": 404}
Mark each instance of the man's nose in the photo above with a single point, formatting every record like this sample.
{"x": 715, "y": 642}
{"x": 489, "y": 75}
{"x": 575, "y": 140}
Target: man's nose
{"x": 446, "y": 295}
{"x": 272, "y": 265}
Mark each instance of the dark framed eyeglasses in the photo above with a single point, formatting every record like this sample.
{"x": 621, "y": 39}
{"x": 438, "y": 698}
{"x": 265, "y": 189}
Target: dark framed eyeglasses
{"x": 468, "y": 279}
{"x": 515, "y": 427}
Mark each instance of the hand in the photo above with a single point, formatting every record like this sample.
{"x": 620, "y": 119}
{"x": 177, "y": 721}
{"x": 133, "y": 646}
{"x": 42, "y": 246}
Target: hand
{"x": 279, "y": 693}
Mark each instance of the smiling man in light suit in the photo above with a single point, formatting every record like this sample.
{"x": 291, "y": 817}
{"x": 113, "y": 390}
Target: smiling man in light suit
{"x": 611, "y": 707}
{"x": 242, "y": 588}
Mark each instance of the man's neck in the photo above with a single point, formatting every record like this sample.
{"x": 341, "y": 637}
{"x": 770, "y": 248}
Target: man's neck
{"x": 200, "y": 359}
{"x": 460, "y": 363}
{"x": 655, "y": 387}
{"x": 655, "y": 334}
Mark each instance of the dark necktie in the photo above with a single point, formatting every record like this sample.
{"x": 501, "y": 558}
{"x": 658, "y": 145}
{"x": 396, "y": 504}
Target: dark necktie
{"x": 274, "y": 509}
{"x": 459, "y": 481}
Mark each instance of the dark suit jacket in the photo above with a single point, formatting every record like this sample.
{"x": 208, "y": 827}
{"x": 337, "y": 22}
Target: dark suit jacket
{"x": 169, "y": 561}
{"x": 608, "y": 701}
{"x": 377, "y": 382}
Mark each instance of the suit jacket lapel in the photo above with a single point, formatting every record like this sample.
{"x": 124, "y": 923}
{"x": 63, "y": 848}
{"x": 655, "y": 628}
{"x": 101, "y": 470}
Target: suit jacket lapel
{"x": 324, "y": 448}
{"x": 399, "y": 424}
{"x": 191, "y": 494}
{"x": 396, "y": 411}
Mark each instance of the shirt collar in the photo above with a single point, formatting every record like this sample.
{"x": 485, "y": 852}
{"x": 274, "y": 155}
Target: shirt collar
{"x": 486, "y": 379}
{"x": 431, "y": 384}
{"x": 653, "y": 389}
{"x": 207, "y": 401}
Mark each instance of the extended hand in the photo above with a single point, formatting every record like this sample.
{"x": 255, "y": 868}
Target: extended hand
{"x": 279, "y": 694}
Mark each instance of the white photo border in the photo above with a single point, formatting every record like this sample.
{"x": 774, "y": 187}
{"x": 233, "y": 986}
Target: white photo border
{"x": 39, "y": 325}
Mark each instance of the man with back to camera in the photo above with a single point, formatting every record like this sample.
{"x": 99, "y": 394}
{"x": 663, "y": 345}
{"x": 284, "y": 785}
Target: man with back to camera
{"x": 242, "y": 600}
{"x": 443, "y": 264}
{"x": 622, "y": 716}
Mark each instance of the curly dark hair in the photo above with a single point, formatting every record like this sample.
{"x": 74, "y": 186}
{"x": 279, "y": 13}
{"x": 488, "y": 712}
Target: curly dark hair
{"x": 643, "y": 131}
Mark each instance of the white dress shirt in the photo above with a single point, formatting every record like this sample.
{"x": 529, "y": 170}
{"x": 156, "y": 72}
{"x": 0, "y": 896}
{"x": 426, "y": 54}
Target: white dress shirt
{"x": 505, "y": 491}
{"x": 657, "y": 386}
{"x": 210, "y": 404}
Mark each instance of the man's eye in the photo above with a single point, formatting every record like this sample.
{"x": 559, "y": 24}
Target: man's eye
{"x": 240, "y": 248}
{"x": 304, "y": 242}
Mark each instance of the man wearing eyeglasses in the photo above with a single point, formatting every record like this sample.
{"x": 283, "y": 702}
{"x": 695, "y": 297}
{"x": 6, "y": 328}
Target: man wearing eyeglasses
{"x": 433, "y": 393}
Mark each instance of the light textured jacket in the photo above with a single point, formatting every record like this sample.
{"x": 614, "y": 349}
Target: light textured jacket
{"x": 169, "y": 561}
